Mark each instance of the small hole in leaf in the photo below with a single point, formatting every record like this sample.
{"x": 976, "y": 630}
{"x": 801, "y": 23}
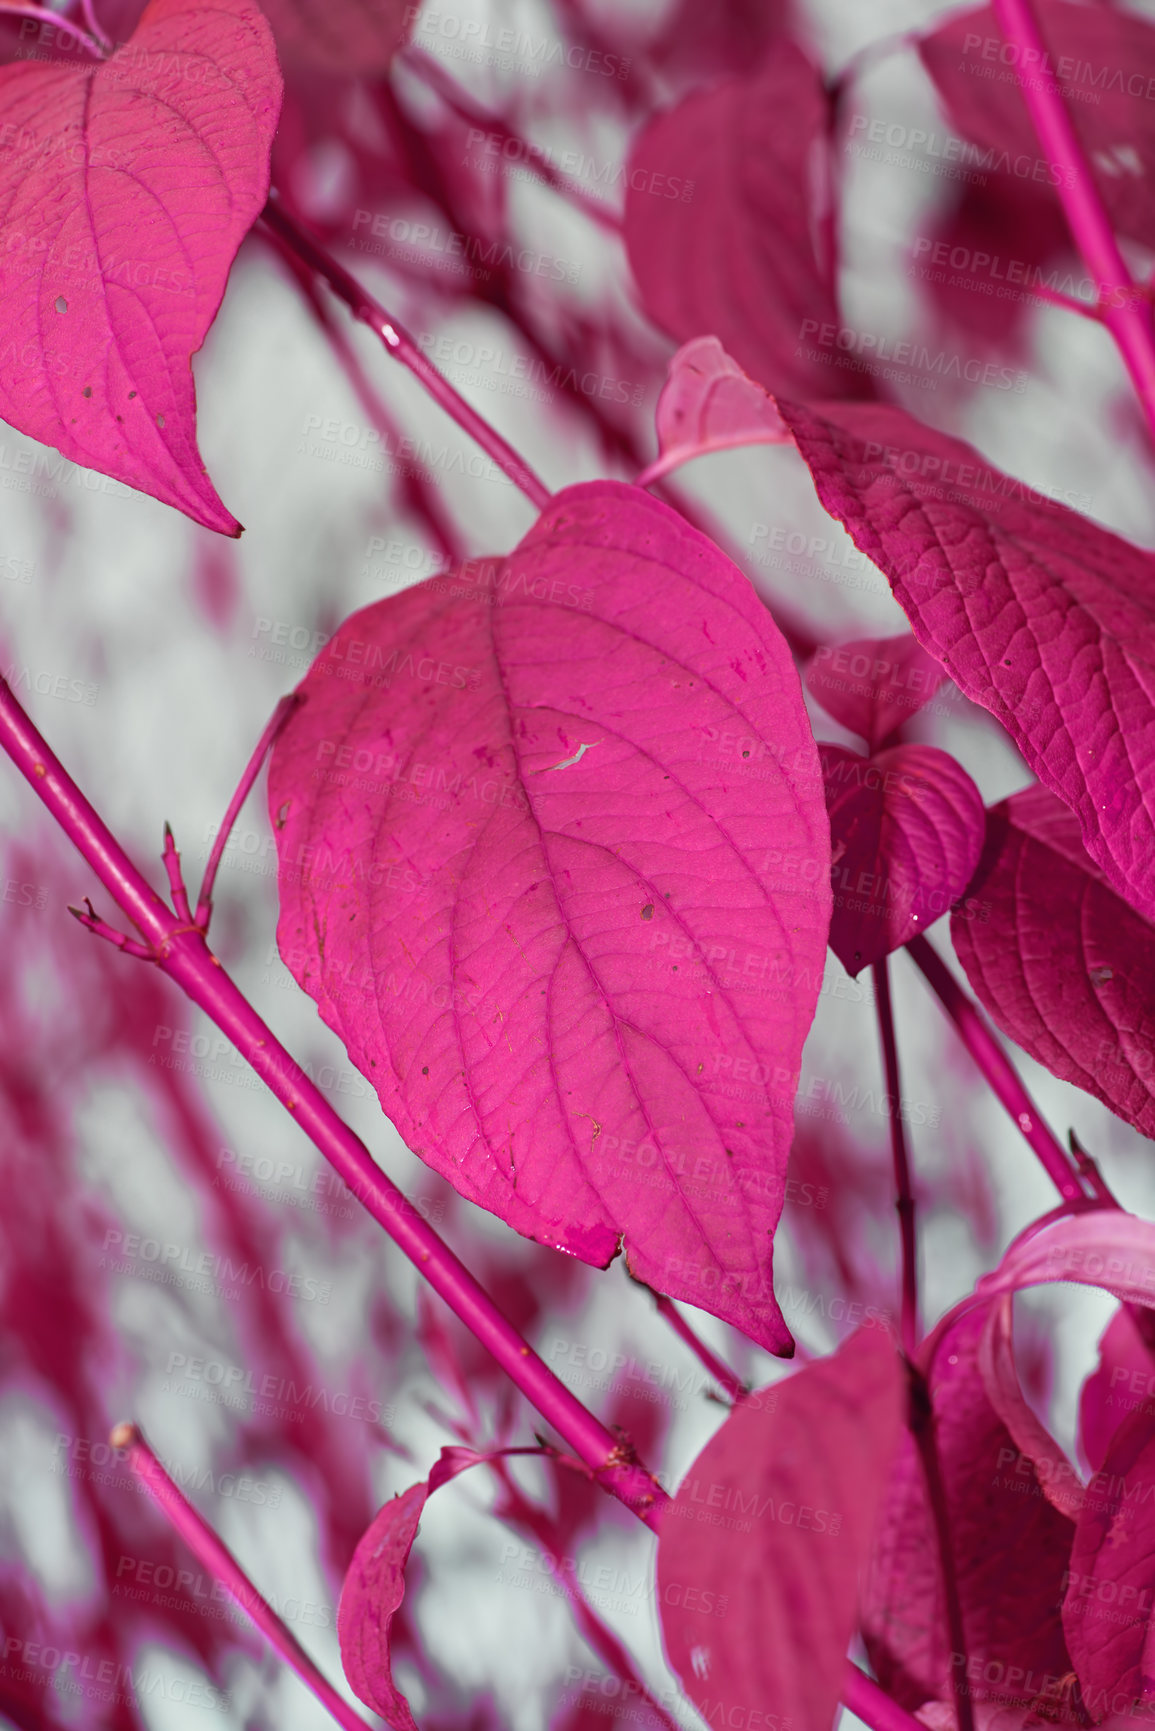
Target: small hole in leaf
{"x": 131, "y": 394}
{"x": 87, "y": 391}
{"x": 61, "y": 304}
{"x": 648, "y": 911}
{"x": 745, "y": 754}
{"x": 160, "y": 422}
{"x": 425, "y": 1069}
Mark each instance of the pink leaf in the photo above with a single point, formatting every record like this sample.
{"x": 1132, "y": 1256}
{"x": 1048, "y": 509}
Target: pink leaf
{"x": 708, "y": 404}
{"x": 120, "y": 220}
{"x": 874, "y": 684}
{"x": 760, "y": 1553}
{"x": 358, "y": 37}
{"x": 1010, "y": 1549}
{"x": 375, "y": 1586}
{"x": 1102, "y": 1247}
{"x": 529, "y": 884}
{"x": 1122, "y": 1381}
{"x": 1064, "y": 966}
{"x": 722, "y": 206}
{"x": 1110, "y": 1588}
{"x": 906, "y": 829}
{"x": 1102, "y": 60}
{"x": 1036, "y": 613}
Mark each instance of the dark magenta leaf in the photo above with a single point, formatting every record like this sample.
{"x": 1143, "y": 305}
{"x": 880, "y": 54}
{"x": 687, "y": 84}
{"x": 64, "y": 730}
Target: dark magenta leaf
{"x": 1059, "y": 960}
{"x": 353, "y": 37}
{"x": 1102, "y": 61}
{"x": 1122, "y": 1382}
{"x": 1038, "y": 614}
{"x": 1110, "y": 1586}
{"x": 1010, "y": 1550}
{"x": 724, "y": 199}
{"x": 873, "y": 684}
{"x": 532, "y": 884}
{"x": 119, "y": 220}
{"x": 760, "y": 1554}
{"x": 906, "y": 830}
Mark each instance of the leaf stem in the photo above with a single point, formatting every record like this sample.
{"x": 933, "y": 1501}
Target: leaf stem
{"x": 214, "y": 1556}
{"x": 181, "y": 952}
{"x": 402, "y": 347}
{"x": 904, "y": 1196}
{"x": 721, "y": 1372}
{"x": 528, "y": 156}
{"x": 996, "y": 1067}
{"x": 264, "y": 745}
{"x": 1124, "y": 306}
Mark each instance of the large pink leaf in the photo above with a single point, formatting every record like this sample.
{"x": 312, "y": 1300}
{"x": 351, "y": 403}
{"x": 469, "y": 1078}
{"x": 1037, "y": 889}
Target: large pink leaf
{"x": 1110, "y": 1590}
{"x": 723, "y": 203}
{"x": 906, "y": 829}
{"x": 375, "y": 1586}
{"x": 1062, "y": 963}
{"x": 358, "y": 37}
{"x": 118, "y": 224}
{"x": 571, "y": 934}
{"x": 1010, "y": 1550}
{"x": 1102, "y": 61}
{"x": 873, "y": 684}
{"x": 759, "y": 1555}
{"x": 709, "y": 404}
{"x": 1038, "y": 614}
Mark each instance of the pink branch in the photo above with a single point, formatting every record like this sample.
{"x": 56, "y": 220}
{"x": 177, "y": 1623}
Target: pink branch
{"x": 183, "y": 954}
{"x": 996, "y": 1067}
{"x": 873, "y": 1705}
{"x": 1124, "y": 307}
{"x": 904, "y": 1196}
{"x": 401, "y": 345}
{"x": 212, "y": 1555}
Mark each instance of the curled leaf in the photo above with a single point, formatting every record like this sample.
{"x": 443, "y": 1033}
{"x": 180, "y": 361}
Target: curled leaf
{"x": 709, "y": 404}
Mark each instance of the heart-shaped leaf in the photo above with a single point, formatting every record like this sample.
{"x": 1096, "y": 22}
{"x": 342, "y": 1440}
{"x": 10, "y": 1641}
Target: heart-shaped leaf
{"x": 121, "y": 212}
{"x": 1102, "y": 62}
{"x": 760, "y": 1553}
{"x": 570, "y": 933}
{"x": 906, "y": 829}
{"x": 1010, "y": 1550}
{"x": 353, "y": 37}
{"x": 375, "y": 1586}
{"x": 1059, "y": 960}
{"x": 1041, "y": 616}
{"x": 709, "y": 404}
{"x": 723, "y": 203}
{"x": 874, "y": 684}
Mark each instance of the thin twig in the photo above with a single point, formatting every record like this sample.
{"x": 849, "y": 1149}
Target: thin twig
{"x": 997, "y": 1068}
{"x": 923, "y": 1430}
{"x": 1123, "y": 305}
{"x": 721, "y": 1372}
{"x": 401, "y": 345}
{"x": 214, "y": 1556}
{"x": 904, "y": 1196}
